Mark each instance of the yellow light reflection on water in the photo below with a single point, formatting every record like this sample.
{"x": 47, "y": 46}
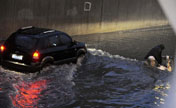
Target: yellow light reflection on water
{"x": 162, "y": 89}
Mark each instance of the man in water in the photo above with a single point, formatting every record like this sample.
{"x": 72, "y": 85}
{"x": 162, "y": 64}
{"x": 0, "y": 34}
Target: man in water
{"x": 156, "y": 52}
{"x": 154, "y": 58}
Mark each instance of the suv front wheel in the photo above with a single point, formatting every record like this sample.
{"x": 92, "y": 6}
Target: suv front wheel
{"x": 80, "y": 56}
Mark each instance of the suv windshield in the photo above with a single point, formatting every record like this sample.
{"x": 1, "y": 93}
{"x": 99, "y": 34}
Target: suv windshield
{"x": 25, "y": 42}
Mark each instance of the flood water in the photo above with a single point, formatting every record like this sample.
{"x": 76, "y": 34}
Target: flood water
{"x": 112, "y": 75}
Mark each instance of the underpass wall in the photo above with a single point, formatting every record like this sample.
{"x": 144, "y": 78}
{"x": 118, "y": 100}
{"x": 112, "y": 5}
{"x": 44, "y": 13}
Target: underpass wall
{"x": 70, "y": 15}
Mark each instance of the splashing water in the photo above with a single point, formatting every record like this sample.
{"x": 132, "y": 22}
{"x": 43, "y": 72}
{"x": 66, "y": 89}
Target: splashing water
{"x": 52, "y": 87}
{"x": 106, "y": 80}
{"x": 99, "y": 80}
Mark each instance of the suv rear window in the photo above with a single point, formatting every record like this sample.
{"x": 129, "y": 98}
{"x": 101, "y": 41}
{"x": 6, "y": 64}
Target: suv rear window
{"x": 25, "y": 42}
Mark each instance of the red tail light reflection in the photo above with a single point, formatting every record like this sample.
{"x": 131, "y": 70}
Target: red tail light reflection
{"x": 28, "y": 94}
{"x": 2, "y": 48}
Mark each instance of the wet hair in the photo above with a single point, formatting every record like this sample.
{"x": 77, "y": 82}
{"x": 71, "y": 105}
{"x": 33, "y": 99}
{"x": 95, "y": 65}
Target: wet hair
{"x": 162, "y": 46}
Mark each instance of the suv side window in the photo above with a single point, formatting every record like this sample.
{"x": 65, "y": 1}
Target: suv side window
{"x": 65, "y": 39}
{"x": 53, "y": 41}
{"x": 50, "y": 41}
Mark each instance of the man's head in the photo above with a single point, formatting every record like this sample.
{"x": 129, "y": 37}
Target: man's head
{"x": 152, "y": 61}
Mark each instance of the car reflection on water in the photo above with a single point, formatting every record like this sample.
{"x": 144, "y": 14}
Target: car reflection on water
{"x": 28, "y": 94}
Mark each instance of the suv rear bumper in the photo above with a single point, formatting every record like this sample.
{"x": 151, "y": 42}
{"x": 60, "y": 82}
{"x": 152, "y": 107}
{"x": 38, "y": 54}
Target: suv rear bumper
{"x": 21, "y": 66}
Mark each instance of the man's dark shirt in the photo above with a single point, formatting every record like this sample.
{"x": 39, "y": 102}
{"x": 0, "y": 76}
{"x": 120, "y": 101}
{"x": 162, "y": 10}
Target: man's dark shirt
{"x": 156, "y": 52}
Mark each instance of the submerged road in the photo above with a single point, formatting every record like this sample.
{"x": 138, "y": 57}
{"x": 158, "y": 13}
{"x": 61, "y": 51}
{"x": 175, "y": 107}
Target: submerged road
{"x": 112, "y": 75}
{"x": 134, "y": 43}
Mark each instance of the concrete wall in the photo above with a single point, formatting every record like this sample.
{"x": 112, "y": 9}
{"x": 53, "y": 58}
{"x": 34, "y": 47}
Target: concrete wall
{"x": 69, "y": 15}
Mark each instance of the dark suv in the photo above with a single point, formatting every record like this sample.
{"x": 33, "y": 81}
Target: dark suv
{"x": 31, "y": 48}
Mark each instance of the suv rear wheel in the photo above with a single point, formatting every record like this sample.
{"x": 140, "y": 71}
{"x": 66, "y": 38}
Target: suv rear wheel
{"x": 47, "y": 61}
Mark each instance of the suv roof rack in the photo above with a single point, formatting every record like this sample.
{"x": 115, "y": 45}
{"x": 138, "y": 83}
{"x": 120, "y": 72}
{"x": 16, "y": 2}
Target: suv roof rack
{"x": 49, "y": 31}
{"x": 27, "y": 27}
{"x": 31, "y": 30}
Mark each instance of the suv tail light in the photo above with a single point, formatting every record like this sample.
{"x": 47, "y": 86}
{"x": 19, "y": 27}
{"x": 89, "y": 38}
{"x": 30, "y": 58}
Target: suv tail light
{"x": 2, "y": 48}
{"x": 36, "y": 55}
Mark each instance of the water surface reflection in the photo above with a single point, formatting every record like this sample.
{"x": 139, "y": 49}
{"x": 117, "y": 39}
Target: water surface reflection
{"x": 28, "y": 94}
